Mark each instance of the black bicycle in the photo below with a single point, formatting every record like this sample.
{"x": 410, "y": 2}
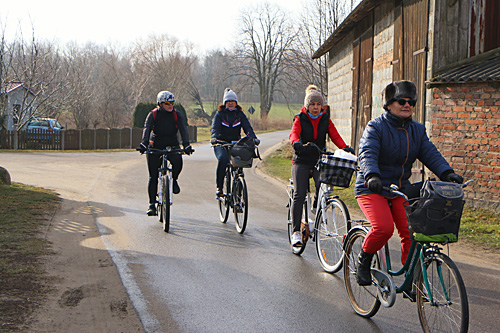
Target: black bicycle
{"x": 165, "y": 184}
{"x": 234, "y": 191}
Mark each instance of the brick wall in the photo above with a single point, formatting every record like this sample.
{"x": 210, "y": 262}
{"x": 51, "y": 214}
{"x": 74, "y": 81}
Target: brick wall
{"x": 383, "y": 54}
{"x": 340, "y": 90}
{"x": 465, "y": 127}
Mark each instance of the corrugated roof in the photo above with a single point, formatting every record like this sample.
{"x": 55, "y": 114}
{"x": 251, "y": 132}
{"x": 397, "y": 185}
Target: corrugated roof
{"x": 484, "y": 67}
{"x": 13, "y": 85}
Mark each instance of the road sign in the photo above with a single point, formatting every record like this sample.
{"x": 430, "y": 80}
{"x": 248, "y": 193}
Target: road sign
{"x": 251, "y": 110}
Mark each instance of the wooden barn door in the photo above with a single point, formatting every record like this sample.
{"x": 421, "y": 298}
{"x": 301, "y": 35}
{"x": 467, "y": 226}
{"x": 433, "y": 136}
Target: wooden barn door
{"x": 410, "y": 55}
{"x": 362, "y": 69}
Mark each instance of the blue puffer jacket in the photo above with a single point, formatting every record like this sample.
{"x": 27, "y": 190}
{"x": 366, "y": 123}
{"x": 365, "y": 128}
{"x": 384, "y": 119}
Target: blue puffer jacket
{"x": 389, "y": 147}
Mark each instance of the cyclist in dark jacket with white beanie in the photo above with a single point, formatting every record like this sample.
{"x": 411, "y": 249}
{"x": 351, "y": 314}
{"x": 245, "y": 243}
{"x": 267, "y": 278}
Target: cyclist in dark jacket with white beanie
{"x": 388, "y": 148}
{"x": 226, "y": 126}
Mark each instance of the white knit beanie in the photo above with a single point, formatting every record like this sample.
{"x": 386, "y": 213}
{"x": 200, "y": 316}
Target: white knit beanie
{"x": 313, "y": 95}
{"x": 229, "y": 95}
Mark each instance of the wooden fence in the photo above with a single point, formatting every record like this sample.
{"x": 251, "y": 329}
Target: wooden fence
{"x": 87, "y": 139}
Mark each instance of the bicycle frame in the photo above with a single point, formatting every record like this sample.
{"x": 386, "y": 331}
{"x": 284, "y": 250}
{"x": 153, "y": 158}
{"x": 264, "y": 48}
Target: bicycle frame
{"x": 418, "y": 253}
{"x": 165, "y": 171}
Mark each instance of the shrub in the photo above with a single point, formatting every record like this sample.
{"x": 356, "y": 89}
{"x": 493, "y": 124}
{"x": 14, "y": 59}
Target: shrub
{"x": 141, "y": 112}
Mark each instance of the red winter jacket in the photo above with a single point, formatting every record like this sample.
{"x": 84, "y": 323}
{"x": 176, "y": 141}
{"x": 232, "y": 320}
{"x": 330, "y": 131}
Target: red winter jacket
{"x": 321, "y": 127}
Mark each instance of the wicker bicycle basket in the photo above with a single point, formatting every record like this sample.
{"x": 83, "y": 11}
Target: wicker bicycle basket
{"x": 335, "y": 171}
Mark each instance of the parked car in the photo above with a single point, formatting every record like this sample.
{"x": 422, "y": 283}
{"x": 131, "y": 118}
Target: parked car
{"x": 48, "y": 124}
{"x": 42, "y": 129}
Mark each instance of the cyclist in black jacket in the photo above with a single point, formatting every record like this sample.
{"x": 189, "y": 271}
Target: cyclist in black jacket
{"x": 160, "y": 131}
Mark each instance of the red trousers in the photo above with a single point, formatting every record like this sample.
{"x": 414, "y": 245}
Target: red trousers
{"x": 383, "y": 217}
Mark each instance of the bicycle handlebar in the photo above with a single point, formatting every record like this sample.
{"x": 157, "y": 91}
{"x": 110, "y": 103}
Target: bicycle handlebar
{"x": 321, "y": 151}
{"x": 394, "y": 189}
{"x": 225, "y": 144}
{"x": 169, "y": 150}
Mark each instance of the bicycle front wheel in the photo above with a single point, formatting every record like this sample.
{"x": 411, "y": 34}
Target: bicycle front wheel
{"x": 448, "y": 310}
{"x": 165, "y": 203}
{"x": 329, "y": 233}
{"x": 223, "y": 201}
{"x": 363, "y": 299}
{"x": 240, "y": 204}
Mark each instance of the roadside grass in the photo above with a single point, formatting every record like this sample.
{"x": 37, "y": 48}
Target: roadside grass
{"x": 24, "y": 210}
{"x": 203, "y": 133}
{"x": 478, "y": 226}
{"x": 278, "y": 110}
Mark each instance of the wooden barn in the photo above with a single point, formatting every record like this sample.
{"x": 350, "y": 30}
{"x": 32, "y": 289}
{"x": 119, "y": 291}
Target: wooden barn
{"x": 451, "y": 50}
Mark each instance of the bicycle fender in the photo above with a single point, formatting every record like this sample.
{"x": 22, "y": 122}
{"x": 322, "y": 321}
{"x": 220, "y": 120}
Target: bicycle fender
{"x": 351, "y": 232}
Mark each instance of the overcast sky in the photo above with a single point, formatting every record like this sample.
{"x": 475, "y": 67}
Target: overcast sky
{"x": 208, "y": 24}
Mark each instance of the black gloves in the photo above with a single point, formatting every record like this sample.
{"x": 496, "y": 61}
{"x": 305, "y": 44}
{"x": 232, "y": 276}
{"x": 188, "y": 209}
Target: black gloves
{"x": 454, "y": 178}
{"x": 142, "y": 148}
{"x": 257, "y": 141}
{"x": 374, "y": 184}
{"x": 188, "y": 150}
{"x": 213, "y": 141}
{"x": 348, "y": 149}
{"x": 297, "y": 146}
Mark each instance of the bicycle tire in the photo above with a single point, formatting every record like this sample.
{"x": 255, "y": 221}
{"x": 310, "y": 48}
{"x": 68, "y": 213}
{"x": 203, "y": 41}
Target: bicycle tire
{"x": 449, "y": 311}
{"x": 158, "y": 206}
{"x": 329, "y": 233}
{"x": 363, "y": 299}
{"x": 165, "y": 203}
{"x": 240, "y": 204}
{"x": 224, "y": 201}
{"x": 297, "y": 250}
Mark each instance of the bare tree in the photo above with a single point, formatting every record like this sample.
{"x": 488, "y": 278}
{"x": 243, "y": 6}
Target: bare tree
{"x": 319, "y": 20}
{"x": 167, "y": 63}
{"x": 215, "y": 76}
{"x": 267, "y": 36}
{"x": 42, "y": 72}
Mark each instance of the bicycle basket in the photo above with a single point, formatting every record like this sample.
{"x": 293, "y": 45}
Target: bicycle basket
{"x": 238, "y": 162}
{"x": 242, "y": 153}
{"x": 335, "y": 171}
{"x": 434, "y": 219}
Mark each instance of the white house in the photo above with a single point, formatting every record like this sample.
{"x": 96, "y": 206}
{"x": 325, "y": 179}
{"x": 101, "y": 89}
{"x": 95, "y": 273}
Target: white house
{"x": 16, "y": 98}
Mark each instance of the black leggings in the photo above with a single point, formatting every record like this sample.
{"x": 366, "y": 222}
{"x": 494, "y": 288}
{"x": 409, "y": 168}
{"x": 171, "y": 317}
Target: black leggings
{"x": 300, "y": 176}
{"x": 154, "y": 163}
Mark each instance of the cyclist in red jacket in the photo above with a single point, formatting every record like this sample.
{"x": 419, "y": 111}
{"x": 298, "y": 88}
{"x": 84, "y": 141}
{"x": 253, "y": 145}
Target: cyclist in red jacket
{"x": 312, "y": 124}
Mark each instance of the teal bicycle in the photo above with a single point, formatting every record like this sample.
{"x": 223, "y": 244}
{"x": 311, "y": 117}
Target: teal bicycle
{"x": 431, "y": 279}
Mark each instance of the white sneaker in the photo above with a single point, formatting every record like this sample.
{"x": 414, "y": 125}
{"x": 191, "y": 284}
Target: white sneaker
{"x": 296, "y": 239}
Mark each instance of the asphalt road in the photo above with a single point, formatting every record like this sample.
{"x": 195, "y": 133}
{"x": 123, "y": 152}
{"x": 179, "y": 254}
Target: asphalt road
{"x": 203, "y": 275}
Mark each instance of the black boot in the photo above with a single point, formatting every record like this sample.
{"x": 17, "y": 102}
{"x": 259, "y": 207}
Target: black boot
{"x": 363, "y": 275}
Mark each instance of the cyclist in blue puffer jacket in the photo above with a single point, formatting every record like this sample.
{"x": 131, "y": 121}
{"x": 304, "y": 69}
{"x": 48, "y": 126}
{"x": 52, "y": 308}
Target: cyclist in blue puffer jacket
{"x": 387, "y": 150}
{"x": 226, "y": 126}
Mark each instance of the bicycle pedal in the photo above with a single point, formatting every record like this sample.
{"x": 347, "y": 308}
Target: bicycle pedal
{"x": 412, "y": 296}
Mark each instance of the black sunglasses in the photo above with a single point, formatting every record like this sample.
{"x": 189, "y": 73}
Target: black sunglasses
{"x": 402, "y": 101}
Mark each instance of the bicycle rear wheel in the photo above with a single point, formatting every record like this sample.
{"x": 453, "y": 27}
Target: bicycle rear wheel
{"x": 240, "y": 204}
{"x": 165, "y": 203}
{"x": 224, "y": 200}
{"x": 329, "y": 232}
{"x": 449, "y": 309}
{"x": 363, "y": 299}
